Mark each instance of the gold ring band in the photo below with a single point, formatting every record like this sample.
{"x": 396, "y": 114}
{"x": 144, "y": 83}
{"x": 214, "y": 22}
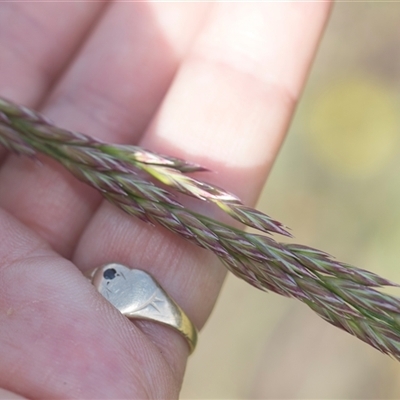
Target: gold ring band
{"x": 137, "y": 295}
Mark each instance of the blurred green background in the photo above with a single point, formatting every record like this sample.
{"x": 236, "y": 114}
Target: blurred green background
{"x": 336, "y": 183}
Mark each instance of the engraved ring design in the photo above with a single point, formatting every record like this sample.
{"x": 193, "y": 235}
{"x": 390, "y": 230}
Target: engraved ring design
{"x": 137, "y": 295}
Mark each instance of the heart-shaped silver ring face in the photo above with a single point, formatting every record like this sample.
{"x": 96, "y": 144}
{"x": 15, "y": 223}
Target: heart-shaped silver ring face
{"x": 136, "y": 294}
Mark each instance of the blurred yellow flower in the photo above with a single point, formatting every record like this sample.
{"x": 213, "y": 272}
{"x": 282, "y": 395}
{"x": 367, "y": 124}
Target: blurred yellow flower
{"x": 353, "y": 126}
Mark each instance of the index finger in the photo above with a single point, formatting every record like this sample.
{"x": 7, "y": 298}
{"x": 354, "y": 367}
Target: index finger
{"x": 233, "y": 99}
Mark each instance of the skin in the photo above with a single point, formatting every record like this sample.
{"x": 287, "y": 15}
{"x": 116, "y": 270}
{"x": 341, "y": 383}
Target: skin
{"x": 215, "y": 84}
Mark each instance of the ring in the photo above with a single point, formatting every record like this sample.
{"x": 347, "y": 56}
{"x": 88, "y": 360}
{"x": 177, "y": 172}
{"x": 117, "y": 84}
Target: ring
{"x": 137, "y": 295}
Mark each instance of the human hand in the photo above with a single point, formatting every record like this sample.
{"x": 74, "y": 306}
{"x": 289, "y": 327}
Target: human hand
{"x": 212, "y": 83}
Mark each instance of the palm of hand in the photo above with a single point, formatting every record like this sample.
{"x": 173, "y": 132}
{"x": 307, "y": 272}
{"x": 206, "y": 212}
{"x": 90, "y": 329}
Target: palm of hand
{"x": 183, "y": 79}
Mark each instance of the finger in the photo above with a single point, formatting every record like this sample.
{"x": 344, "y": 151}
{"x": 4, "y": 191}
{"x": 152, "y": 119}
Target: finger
{"x": 110, "y": 91}
{"x": 228, "y": 108}
{"x": 59, "y": 338}
{"x": 36, "y": 41}
{"x": 244, "y": 85}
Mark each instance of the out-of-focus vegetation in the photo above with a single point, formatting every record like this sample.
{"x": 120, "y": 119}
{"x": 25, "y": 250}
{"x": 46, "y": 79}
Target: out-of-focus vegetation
{"x": 337, "y": 185}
